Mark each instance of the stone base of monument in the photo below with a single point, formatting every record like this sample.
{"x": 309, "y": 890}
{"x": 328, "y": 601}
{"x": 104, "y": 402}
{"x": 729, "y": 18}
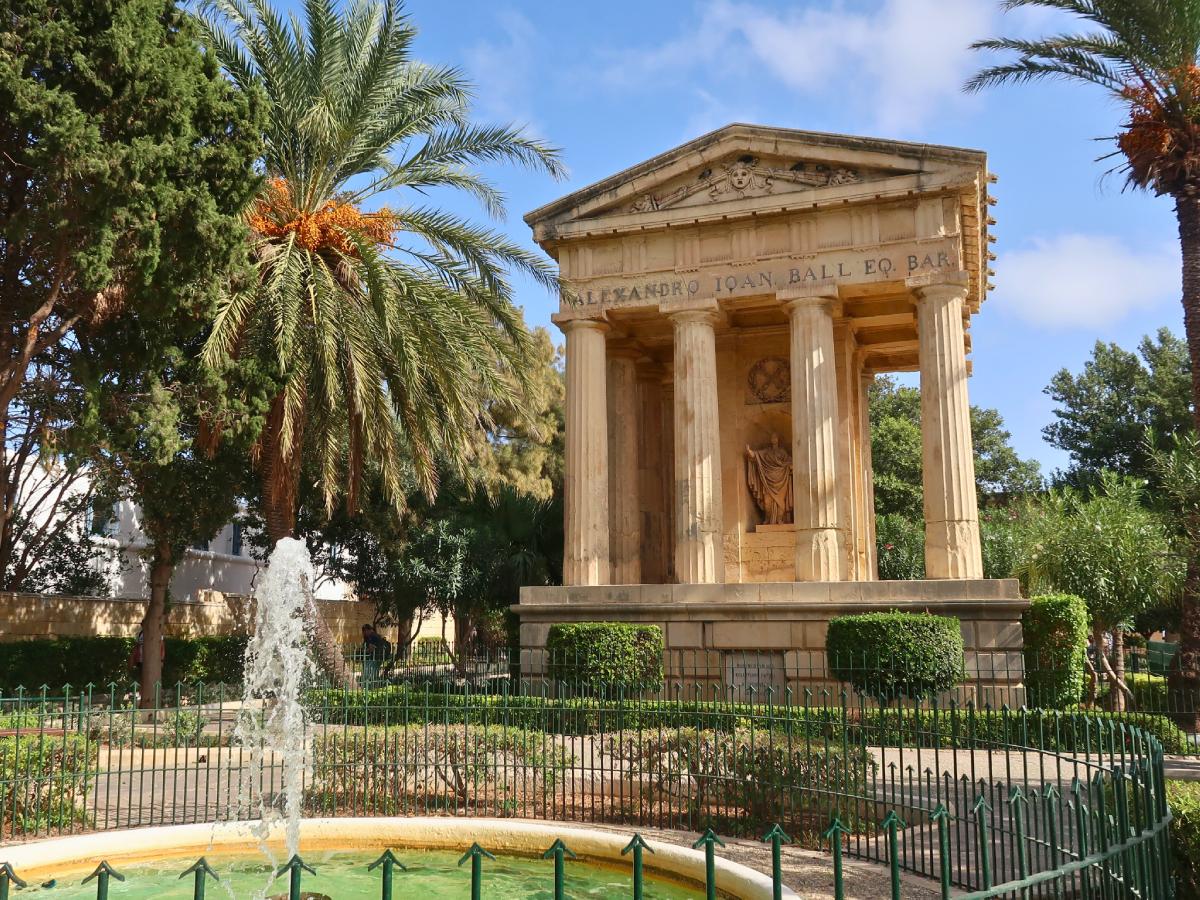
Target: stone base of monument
{"x": 745, "y": 639}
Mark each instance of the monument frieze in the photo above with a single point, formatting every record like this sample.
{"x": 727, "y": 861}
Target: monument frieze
{"x": 730, "y": 280}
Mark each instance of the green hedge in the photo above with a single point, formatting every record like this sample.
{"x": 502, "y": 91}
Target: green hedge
{"x": 1055, "y": 630}
{"x": 43, "y": 780}
{"x": 1184, "y": 799}
{"x": 575, "y": 716}
{"x": 894, "y": 654}
{"x": 606, "y": 657}
{"x": 79, "y": 661}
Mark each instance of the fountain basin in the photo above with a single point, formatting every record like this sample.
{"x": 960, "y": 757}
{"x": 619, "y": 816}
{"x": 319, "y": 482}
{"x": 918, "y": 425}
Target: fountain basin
{"x": 60, "y": 857}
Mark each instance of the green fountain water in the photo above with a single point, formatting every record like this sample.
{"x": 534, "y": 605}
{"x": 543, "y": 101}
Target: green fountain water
{"x": 343, "y": 875}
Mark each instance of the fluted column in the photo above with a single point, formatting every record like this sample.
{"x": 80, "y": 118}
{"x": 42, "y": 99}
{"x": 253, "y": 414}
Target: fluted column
{"x": 948, "y": 463}
{"x": 699, "y": 548}
{"x": 624, "y": 485}
{"x": 585, "y": 549}
{"x": 819, "y": 551}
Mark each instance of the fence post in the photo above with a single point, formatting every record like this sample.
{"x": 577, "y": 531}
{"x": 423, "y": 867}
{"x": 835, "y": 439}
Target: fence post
{"x": 1017, "y": 800}
{"x": 559, "y": 851}
{"x": 200, "y": 869}
{"x": 941, "y": 816}
{"x": 637, "y": 844}
{"x": 476, "y": 855}
{"x": 294, "y": 867}
{"x": 1050, "y": 797}
{"x": 833, "y": 834}
{"x": 778, "y": 837}
{"x": 8, "y": 876}
{"x": 892, "y": 823}
{"x": 982, "y": 809}
{"x": 103, "y": 872}
{"x": 1081, "y": 829}
{"x": 709, "y": 842}
{"x": 389, "y": 862}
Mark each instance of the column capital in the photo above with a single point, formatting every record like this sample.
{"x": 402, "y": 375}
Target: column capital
{"x": 567, "y": 322}
{"x": 938, "y": 285}
{"x": 691, "y": 309}
{"x": 818, "y": 294}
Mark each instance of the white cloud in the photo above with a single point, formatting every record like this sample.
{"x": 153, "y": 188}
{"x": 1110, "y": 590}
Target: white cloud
{"x": 1085, "y": 280}
{"x": 898, "y": 66}
{"x": 502, "y": 71}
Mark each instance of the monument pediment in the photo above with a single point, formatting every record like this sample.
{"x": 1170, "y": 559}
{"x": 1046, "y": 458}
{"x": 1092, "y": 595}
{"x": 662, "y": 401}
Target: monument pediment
{"x": 749, "y": 169}
{"x": 745, "y": 176}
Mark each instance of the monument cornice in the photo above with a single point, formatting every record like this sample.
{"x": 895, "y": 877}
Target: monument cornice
{"x": 902, "y": 157}
{"x": 901, "y": 187}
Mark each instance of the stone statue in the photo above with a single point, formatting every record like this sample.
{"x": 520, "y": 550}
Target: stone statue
{"x": 769, "y": 476}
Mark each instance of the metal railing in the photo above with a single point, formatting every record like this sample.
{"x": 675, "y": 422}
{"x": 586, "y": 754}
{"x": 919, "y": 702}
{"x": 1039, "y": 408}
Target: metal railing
{"x": 987, "y": 799}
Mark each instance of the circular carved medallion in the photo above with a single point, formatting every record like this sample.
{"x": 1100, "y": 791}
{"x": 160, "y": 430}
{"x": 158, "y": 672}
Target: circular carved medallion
{"x": 771, "y": 380}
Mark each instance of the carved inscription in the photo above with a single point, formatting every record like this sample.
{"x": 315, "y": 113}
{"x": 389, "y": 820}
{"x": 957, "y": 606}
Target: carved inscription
{"x": 746, "y": 282}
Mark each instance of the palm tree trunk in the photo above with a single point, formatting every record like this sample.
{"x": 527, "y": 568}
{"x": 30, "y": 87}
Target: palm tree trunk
{"x": 280, "y": 478}
{"x": 1185, "y": 672}
{"x": 153, "y": 624}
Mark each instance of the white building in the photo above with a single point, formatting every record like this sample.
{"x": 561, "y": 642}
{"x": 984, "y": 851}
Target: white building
{"x": 222, "y": 564}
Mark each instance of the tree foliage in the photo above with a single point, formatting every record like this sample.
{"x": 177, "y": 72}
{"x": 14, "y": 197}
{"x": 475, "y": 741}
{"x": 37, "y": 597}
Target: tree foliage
{"x": 1144, "y": 56}
{"x": 1105, "y": 546}
{"x": 127, "y": 160}
{"x": 393, "y": 327}
{"x": 896, "y": 451}
{"x": 1104, "y": 412}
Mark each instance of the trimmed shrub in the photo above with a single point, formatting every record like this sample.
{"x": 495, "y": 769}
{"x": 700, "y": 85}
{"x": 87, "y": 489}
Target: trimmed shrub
{"x": 1151, "y": 694}
{"x": 495, "y": 771}
{"x": 44, "y": 779}
{"x": 606, "y": 657}
{"x": 957, "y": 727}
{"x": 430, "y": 651}
{"x": 1055, "y": 629}
{"x": 211, "y": 660}
{"x": 1184, "y": 800}
{"x": 895, "y": 654}
{"x": 741, "y": 780}
{"x": 100, "y": 661}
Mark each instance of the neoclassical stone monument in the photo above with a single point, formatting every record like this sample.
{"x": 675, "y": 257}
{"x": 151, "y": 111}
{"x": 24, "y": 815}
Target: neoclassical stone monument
{"x": 729, "y": 303}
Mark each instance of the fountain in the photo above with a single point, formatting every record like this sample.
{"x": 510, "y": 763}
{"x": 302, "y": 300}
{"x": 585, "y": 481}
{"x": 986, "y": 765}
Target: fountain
{"x": 271, "y": 723}
{"x": 272, "y": 734}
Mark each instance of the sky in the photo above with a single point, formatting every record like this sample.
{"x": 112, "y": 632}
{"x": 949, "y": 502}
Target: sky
{"x": 1080, "y": 259}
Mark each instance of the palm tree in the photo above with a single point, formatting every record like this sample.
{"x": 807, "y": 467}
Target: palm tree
{"x": 388, "y": 328}
{"x": 1144, "y": 54}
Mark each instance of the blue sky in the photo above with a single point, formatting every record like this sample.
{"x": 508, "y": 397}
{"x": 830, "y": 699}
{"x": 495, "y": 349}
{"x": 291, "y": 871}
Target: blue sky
{"x": 616, "y": 82}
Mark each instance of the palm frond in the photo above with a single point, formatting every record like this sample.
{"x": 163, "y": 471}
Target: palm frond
{"x": 389, "y": 350}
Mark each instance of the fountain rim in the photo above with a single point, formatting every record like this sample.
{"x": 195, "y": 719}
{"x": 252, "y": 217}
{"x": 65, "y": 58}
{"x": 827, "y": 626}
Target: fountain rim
{"x": 48, "y": 858}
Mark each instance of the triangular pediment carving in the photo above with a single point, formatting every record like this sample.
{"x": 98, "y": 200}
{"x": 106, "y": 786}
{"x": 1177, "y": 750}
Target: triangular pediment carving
{"x": 745, "y": 176}
{"x": 741, "y": 168}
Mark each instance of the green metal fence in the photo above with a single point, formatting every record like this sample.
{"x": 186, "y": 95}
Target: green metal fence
{"x": 987, "y": 799}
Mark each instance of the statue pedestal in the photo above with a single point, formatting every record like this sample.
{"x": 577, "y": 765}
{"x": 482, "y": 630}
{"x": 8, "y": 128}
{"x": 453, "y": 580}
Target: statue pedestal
{"x": 764, "y": 528}
{"x": 739, "y": 636}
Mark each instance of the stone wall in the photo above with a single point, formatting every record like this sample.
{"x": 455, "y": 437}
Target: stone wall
{"x": 28, "y": 616}
{"x": 773, "y": 635}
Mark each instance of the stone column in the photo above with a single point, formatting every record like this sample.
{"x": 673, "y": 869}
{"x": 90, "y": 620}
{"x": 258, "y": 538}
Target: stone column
{"x": 819, "y": 551}
{"x": 699, "y": 545}
{"x": 624, "y": 484}
{"x": 585, "y": 547}
{"x": 948, "y": 463}
{"x": 866, "y": 477}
